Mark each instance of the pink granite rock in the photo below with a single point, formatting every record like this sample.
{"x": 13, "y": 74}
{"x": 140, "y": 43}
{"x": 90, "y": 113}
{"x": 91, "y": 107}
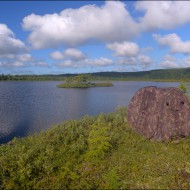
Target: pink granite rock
{"x": 160, "y": 113}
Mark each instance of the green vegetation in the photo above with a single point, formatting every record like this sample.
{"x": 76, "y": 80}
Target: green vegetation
{"x": 84, "y": 85}
{"x": 182, "y": 74}
{"x": 82, "y": 81}
{"x": 31, "y": 77}
{"x": 100, "y": 152}
{"x": 183, "y": 88}
{"x": 172, "y": 75}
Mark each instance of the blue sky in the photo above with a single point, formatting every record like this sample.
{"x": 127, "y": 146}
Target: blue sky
{"x": 54, "y": 37}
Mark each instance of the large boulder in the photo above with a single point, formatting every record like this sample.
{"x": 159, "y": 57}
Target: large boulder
{"x": 160, "y": 114}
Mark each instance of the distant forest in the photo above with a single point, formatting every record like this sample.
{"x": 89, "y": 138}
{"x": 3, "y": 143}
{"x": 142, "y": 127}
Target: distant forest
{"x": 182, "y": 74}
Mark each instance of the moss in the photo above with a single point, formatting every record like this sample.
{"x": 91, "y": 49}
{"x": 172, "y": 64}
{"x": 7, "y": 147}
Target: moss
{"x": 100, "y": 152}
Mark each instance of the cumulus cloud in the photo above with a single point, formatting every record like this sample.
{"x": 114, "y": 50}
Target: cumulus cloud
{"x": 100, "y": 62}
{"x": 110, "y": 22}
{"x": 186, "y": 62}
{"x": 140, "y": 60}
{"x": 40, "y": 64}
{"x": 174, "y": 42}
{"x": 169, "y": 62}
{"x": 68, "y": 64}
{"x": 124, "y": 48}
{"x": 129, "y": 54}
{"x": 162, "y": 14}
{"x": 13, "y": 52}
{"x": 144, "y": 60}
{"x": 127, "y": 61}
{"x": 57, "y": 55}
{"x": 71, "y": 53}
{"x": 11, "y": 63}
{"x": 24, "y": 57}
{"x": 74, "y": 54}
{"x": 15, "y": 60}
{"x": 8, "y": 43}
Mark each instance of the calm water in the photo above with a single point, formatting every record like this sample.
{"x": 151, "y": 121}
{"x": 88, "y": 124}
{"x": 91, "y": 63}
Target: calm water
{"x": 28, "y": 107}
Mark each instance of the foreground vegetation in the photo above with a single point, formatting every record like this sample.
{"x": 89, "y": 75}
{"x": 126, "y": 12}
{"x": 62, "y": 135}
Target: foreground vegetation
{"x": 100, "y": 152}
{"x": 82, "y": 81}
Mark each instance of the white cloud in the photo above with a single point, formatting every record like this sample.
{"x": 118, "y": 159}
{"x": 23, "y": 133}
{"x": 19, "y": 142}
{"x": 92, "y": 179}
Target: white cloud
{"x": 71, "y": 53}
{"x": 110, "y": 22}
{"x": 174, "y": 42}
{"x": 24, "y": 57}
{"x": 129, "y": 54}
{"x": 74, "y": 54}
{"x": 124, "y": 48}
{"x": 186, "y": 62}
{"x": 57, "y": 55}
{"x": 13, "y": 63}
{"x": 41, "y": 64}
{"x": 169, "y": 62}
{"x": 144, "y": 60}
{"x": 102, "y": 62}
{"x": 12, "y": 51}
{"x": 14, "y": 60}
{"x": 69, "y": 64}
{"x": 140, "y": 60}
{"x": 127, "y": 61}
{"x": 162, "y": 14}
{"x": 8, "y": 43}
{"x": 17, "y": 64}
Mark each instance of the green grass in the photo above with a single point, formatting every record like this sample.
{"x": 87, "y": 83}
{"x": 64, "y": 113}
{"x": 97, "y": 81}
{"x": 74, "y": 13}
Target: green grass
{"x": 100, "y": 152}
{"x": 84, "y": 85}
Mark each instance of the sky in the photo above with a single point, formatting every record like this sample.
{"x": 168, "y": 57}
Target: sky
{"x": 57, "y": 37}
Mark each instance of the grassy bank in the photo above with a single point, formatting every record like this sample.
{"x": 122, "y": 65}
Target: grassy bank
{"x": 84, "y": 85}
{"x": 94, "y": 152}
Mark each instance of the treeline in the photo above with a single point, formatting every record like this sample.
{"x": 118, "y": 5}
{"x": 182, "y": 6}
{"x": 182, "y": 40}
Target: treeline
{"x": 182, "y": 74}
{"x": 31, "y": 77}
{"x": 162, "y": 74}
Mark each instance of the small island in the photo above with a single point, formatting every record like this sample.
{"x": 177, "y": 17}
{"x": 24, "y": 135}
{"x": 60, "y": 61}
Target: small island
{"x": 82, "y": 81}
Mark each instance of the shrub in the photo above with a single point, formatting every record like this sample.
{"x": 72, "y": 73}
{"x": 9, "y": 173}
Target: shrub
{"x": 183, "y": 88}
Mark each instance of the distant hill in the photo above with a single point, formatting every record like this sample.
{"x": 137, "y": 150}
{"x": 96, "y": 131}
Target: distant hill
{"x": 158, "y": 75}
{"x": 161, "y": 74}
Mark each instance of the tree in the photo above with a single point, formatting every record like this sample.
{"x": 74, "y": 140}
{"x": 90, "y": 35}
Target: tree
{"x": 82, "y": 78}
{"x": 69, "y": 80}
{"x": 78, "y": 79}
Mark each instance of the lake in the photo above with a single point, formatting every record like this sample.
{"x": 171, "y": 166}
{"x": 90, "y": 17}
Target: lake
{"x": 29, "y": 107}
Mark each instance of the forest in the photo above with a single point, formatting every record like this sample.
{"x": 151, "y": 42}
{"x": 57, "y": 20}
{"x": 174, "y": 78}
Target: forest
{"x": 182, "y": 74}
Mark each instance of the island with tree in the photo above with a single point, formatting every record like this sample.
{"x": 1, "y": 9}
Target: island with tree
{"x": 82, "y": 81}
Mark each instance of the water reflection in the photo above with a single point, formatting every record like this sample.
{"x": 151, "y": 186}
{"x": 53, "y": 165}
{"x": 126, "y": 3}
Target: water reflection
{"x": 28, "y": 107}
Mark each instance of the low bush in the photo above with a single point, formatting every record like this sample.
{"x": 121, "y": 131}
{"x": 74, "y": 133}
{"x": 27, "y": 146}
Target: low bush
{"x": 99, "y": 152}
